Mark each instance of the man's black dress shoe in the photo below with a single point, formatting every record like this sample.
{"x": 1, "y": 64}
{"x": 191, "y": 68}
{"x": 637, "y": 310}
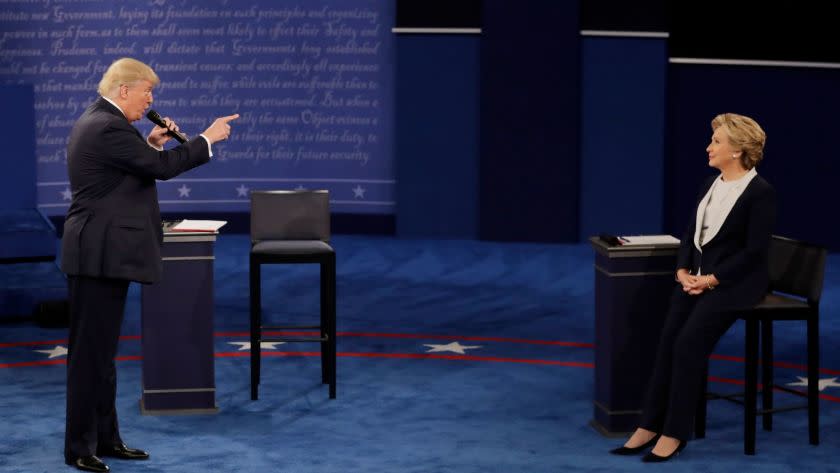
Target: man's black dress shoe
{"x": 654, "y": 458}
{"x": 121, "y": 451}
{"x": 89, "y": 463}
{"x": 635, "y": 450}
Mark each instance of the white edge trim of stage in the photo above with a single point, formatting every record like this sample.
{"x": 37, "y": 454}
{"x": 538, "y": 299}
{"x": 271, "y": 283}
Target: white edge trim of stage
{"x": 436, "y": 30}
{"x": 625, "y": 34}
{"x": 754, "y": 62}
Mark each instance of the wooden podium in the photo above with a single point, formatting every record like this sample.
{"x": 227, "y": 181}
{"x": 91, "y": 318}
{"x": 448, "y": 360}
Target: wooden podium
{"x": 177, "y": 328}
{"x": 633, "y": 286}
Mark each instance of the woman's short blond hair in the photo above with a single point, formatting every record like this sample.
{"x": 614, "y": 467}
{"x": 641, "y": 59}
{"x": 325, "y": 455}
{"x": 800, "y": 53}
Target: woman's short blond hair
{"x": 745, "y": 135}
{"x": 125, "y": 71}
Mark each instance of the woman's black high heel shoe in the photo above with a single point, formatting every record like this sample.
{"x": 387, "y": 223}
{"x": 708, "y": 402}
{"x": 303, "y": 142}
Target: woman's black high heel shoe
{"x": 654, "y": 458}
{"x": 635, "y": 450}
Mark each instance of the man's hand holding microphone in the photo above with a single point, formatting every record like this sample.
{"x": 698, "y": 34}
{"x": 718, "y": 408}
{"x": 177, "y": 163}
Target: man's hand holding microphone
{"x": 165, "y": 129}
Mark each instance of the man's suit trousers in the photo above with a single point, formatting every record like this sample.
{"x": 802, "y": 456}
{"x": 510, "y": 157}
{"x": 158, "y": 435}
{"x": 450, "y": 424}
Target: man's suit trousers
{"x": 96, "y": 314}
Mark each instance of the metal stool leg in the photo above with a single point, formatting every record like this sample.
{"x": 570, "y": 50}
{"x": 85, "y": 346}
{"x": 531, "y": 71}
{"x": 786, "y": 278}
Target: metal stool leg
{"x": 256, "y": 322}
{"x": 751, "y": 379}
{"x": 813, "y": 379}
{"x": 767, "y": 373}
{"x": 324, "y": 326}
{"x": 331, "y": 320}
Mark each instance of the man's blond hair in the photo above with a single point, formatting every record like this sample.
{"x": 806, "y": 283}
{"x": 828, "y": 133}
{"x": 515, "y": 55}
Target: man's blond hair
{"x": 125, "y": 71}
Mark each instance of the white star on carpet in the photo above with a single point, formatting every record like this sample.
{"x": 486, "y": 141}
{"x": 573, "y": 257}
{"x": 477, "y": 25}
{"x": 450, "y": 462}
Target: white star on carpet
{"x": 359, "y": 192}
{"x": 454, "y": 347}
{"x": 263, "y": 345}
{"x": 824, "y": 383}
{"x": 66, "y": 194}
{"x": 242, "y": 191}
{"x": 184, "y": 191}
{"x": 55, "y": 352}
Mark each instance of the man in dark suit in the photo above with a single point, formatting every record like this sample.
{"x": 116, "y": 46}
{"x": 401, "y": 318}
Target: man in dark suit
{"x": 112, "y": 236}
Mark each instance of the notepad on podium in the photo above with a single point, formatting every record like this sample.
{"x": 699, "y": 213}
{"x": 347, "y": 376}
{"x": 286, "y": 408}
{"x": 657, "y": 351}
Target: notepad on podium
{"x": 647, "y": 240}
{"x": 198, "y": 226}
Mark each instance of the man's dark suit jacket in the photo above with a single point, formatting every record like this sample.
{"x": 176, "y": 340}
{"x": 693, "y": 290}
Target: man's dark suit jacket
{"x": 737, "y": 255}
{"x": 112, "y": 229}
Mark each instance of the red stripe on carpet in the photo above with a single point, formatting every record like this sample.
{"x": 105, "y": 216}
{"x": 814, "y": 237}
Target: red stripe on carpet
{"x": 22, "y": 364}
{"x": 420, "y": 356}
{"x": 56, "y": 342}
{"x": 740, "y": 382}
{"x": 414, "y": 356}
{"x": 737, "y": 359}
{"x": 779, "y": 364}
{"x": 129, "y": 358}
{"x": 417, "y": 356}
{"x": 415, "y": 336}
{"x": 467, "y": 338}
{"x": 27, "y": 344}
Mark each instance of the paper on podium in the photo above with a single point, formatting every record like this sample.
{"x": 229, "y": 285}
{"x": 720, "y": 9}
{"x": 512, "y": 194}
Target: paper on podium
{"x": 648, "y": 240}
{"x": 198, "y": 225}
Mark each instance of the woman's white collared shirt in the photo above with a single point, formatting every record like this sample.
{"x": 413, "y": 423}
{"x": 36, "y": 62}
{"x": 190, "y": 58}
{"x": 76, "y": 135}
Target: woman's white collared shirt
{"x": 715, "y": 206}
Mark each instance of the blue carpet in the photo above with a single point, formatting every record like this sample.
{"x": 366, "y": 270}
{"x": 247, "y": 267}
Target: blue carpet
{"x": 24, "y": 285}
{"x": 518, "y": 401}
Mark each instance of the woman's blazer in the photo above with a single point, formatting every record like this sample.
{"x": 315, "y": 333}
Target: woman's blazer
{"x": 738, "y": 254}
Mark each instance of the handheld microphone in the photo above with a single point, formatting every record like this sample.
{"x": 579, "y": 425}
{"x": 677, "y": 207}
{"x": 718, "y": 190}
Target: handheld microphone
{"x": 155, "y": 118}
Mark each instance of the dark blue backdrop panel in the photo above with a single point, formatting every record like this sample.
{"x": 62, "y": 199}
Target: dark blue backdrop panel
{"x": 622, "y": 146}
{"x": 311, "y": 80}
{"x": 797, "y": 107}
{"x": 530, "y": 111}
{"x": 17, "y": 142}
{"x": 437, "y": 135}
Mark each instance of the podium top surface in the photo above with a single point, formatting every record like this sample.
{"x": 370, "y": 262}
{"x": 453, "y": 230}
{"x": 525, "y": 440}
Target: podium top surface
{"x": 631, "y": 251}
{"x": 185, "y": 236}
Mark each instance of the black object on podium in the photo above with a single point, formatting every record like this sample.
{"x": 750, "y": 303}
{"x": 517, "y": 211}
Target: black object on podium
{"x": 177, "y": 328}
{"x": 633, "y": 285}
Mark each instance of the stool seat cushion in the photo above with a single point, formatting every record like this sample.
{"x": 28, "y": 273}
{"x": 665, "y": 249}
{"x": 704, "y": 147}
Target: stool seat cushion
{"x": 288, "y": 247}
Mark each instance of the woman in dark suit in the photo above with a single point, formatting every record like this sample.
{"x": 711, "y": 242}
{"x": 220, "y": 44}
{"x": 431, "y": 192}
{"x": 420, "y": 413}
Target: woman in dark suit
{"x": 722, "y": 267}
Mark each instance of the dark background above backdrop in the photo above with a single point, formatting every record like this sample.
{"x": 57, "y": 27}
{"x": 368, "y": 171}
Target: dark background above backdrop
{"x": 478, "y": 120}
